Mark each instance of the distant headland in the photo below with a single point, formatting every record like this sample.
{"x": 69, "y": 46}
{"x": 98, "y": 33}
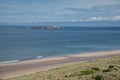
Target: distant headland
{"x": 43, "y": 28}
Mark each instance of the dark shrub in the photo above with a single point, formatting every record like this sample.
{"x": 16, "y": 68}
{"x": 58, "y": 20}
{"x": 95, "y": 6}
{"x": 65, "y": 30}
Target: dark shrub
{"x": 95, "y": 69}
{"x": 66, "y": 76}
{"x": 99, "y": 77}
{"x": 107, "y": 70}
{"x": 115, "y": 69}
{"x": 111, "y": 66}
{"x": 71, "y": 75}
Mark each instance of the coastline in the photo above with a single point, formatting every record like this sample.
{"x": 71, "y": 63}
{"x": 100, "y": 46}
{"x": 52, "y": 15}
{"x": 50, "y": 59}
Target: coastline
{"x": 31, "y": 66}
{"x": 41, "y": 58}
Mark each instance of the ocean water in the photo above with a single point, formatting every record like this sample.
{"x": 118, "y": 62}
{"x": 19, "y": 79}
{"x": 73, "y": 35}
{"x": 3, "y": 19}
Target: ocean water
{"x": 16, "y": 43}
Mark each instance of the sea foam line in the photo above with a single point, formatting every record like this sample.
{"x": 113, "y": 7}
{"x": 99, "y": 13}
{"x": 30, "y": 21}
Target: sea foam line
{"x": 11, "y": 61}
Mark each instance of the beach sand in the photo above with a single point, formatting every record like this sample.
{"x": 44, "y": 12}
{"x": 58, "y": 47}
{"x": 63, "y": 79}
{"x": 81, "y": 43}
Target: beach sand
{"x": 10, "y": 70}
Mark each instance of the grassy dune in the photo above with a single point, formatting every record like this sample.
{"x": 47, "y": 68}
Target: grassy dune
{"x": 102, "y": 69}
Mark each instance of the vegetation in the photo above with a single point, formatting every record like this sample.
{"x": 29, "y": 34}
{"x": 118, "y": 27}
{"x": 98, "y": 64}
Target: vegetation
{"x": 95, "y": 68}
{"x": 99, "y": 77}
{"x": 103, "y": 69}
{"x": 111, "y": 66}
{"x": 86, "y": 72}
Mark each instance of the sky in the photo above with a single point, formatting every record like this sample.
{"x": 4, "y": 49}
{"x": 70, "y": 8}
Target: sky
{"x": 30, "y": 11}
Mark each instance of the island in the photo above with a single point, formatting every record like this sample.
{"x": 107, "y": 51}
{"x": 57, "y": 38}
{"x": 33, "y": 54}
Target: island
{"x": 43, "y": 28}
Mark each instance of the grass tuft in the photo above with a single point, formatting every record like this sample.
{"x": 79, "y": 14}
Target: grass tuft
{"x": 87, "y": 72}
{"x": 99, "y": 77}
{"x": 111, "y": 66}
{"x": 106, "y": 70}
{"x": 95, "y": 68}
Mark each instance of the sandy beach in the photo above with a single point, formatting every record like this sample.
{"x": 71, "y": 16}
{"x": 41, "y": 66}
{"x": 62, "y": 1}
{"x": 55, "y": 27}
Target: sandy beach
{"x": 31, "y": 66}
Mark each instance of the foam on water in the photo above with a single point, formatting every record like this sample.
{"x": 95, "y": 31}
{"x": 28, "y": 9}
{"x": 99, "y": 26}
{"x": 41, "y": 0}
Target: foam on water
{"x": 39, "y": 57}
{"x": 11, "y": 61}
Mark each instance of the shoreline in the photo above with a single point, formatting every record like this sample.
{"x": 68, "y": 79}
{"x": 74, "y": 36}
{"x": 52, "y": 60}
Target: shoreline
{"x": 49, "y": 57}
{"x": 31, "y": 66}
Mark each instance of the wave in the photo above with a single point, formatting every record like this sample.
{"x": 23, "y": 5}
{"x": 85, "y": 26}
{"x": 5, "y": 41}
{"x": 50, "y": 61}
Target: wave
{"x": 39, "y": 57}
{"x": 11, "y": 61}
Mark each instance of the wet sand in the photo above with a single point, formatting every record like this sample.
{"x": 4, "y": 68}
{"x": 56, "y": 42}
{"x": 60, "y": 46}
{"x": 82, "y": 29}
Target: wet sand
{"x": 31, "y": 66}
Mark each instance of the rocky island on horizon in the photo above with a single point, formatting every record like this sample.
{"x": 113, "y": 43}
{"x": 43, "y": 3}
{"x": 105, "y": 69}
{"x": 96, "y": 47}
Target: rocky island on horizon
{"x": 43, "y": 28}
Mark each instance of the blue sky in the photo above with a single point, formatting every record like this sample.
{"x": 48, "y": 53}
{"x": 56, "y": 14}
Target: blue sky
{"x": 30, "y": 11}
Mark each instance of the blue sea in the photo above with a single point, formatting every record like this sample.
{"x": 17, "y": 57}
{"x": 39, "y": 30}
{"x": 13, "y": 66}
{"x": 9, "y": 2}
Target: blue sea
{"x": 17, "y": 43}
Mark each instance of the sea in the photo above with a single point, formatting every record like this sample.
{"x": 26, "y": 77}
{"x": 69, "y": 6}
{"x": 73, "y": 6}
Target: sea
{"x": 17, "y": 43}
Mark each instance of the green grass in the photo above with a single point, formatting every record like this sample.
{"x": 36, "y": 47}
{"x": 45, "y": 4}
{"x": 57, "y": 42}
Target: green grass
{"x": 87, "y": 72}
{"x": 102, "y": 69}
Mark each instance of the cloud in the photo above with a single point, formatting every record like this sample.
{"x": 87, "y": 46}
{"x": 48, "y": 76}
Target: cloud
{"x": 100, "y": 18}
{"x": 97, "y": 19}
{"x": 97, "y": 9}
{"x": 58, "y": 10}
{"x": 92, "y": 19}
{"x": 63, "y": 12}
{"x": 94, "y": 13}
{"x": 116, "y": 18}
